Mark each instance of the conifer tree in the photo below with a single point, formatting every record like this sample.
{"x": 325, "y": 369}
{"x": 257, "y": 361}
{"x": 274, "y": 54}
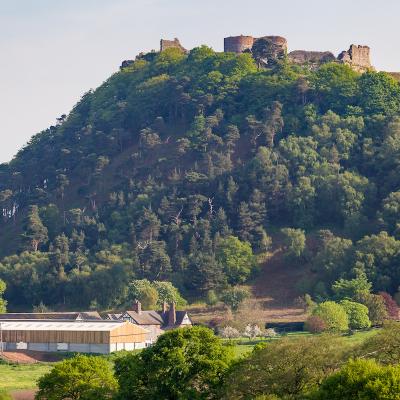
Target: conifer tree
{"x": 35, "y": 232}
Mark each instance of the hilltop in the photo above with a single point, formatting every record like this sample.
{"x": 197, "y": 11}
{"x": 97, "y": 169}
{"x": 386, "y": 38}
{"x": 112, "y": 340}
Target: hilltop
{"x": 186, "y": 165}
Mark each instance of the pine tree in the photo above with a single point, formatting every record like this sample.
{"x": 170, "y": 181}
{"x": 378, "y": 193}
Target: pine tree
{"x": 246, "y": 223}
{"x": 35, "y": 232}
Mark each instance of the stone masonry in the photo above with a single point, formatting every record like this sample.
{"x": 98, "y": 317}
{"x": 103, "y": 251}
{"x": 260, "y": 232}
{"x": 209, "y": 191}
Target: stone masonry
{"x": 167, "y": 44}
{"x": 358, "y": 57}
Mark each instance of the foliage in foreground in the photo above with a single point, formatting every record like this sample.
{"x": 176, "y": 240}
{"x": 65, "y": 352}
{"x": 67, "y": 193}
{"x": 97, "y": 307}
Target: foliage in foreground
{"x": 192, "y": 363}
{"x": 361, "y": 379}
{"x": 81, "y": 377}
{"x": 186, "y": 364}
{"x": 285, "y": 368}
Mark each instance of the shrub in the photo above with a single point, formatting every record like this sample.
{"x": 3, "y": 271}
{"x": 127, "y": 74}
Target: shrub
{"x": 315, "y": 324}
{"x": 391, "y": 306}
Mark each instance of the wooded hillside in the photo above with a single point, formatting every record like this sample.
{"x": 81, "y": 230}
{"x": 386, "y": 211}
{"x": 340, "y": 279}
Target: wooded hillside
{"x": 186, "y": 167}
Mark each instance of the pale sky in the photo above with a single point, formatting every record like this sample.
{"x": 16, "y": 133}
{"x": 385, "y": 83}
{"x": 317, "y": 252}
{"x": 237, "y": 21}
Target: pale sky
{"x": 53, "y": 51}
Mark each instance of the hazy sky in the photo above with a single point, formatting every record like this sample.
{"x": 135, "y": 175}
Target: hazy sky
{"x": 53, "y": 51}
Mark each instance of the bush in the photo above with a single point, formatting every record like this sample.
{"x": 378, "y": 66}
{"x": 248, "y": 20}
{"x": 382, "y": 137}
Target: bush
{"x": 334, "y": 316}
{"x": 384, "y": 346}
{"x": 391, "y": 306}
{"x": 315, "y": 324}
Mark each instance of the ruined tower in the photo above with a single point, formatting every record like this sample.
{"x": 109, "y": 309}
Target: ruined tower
{"x": 167, "y": 44}
{"x": 358, "y": 57}
{"x": 238, "y": 44}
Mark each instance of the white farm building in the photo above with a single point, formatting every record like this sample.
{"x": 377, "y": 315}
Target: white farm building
{"x": 75, "y": 336}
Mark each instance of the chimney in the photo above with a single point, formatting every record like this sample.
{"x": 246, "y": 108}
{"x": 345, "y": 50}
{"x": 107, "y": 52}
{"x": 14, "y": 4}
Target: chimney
{"x": 164, "y": 307}
{"x": 137, "y": 306}
{"x": 172, "y": 315}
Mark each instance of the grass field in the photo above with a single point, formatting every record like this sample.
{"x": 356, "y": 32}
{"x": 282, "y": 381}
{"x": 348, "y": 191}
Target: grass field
{"x": 243, "y": 346}
{"x": 23, "y": 376}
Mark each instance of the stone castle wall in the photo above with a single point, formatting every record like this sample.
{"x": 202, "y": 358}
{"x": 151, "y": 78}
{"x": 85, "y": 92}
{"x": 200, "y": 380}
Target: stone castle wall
{"x": 238, "y": 44}
{"x": 167, "y": 44}
{"x": 312, "y": 58}
{"x": 358, "y": 57}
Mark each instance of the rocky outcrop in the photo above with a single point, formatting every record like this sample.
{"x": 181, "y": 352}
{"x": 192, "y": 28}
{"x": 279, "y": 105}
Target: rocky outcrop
{"x": 167, "y": 44}
{"x": 311, "y": 58}
{"x": 358, "y": 57}
{"x": 126, "y": 63}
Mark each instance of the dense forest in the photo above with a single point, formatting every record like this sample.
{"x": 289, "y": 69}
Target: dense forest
{"x": 186, "y": 167}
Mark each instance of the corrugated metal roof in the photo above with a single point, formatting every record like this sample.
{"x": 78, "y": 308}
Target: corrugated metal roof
{"x": 35, "y": 325}
{"x": 73, "y": 315}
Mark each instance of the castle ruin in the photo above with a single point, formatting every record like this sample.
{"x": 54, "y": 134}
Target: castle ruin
{"x": 168, "y": 44}
{"x": 239, "y": 44}
{"x": 357, "y": 57}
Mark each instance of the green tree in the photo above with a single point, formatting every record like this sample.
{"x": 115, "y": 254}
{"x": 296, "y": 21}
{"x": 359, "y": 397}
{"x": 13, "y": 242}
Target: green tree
{"x": 183, "y": 364}
{"x": 334, "y": 315}
{"x": 142, "y": 290}
{"x": 294, "y": 241}
{"x": 3, "y": 303}
{"x": 376, "y": 307}
{"x": 350, "y": 288}
{"x": 236, "y": 259}
{"x": 287, "y": 368}
{"x": 379, "y": 93}
{"x": 361, "y": 379}
{"x": 35, "y": 231}
{"x": 234, "y": 296}
{"x": 81, "y": 377}
{"x": 357, "y": 314}
{"x": 168, "y": 293}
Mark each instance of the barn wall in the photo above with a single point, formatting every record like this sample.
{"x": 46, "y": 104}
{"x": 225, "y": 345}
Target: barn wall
{"x": 56, "y": 337}
{"x": 128, "y": 333}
